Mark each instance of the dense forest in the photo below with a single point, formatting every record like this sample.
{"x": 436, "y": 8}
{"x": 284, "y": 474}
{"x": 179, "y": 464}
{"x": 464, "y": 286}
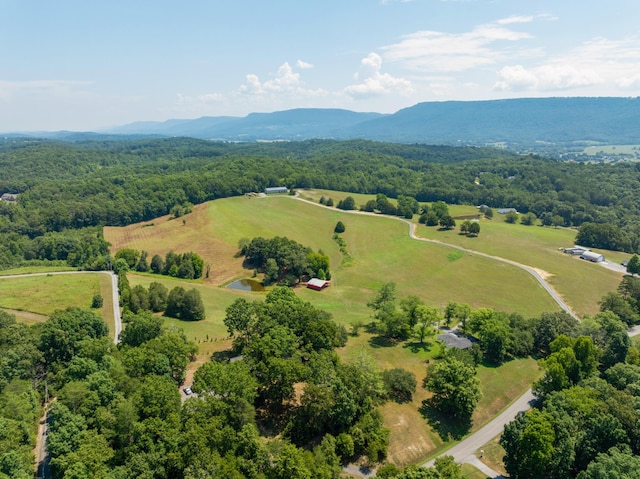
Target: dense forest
{"x": 67, "y": 191}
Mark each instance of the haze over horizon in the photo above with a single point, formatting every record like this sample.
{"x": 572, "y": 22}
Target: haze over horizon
{"x": 77, "y": 66}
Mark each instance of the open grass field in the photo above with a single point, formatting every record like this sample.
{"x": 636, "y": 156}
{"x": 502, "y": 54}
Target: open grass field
{"x": 34, "y": 298}
{"x": 581, "y": 283}
{"x": 380, "y": 246}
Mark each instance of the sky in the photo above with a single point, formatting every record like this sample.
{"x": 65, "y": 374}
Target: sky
{"x": 83, "y": 66}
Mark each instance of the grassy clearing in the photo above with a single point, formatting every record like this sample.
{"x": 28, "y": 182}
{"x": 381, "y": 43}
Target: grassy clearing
{"x": 500, "y": 386}
{"x": 412, "y": 438}
{"x": 580, "y": 283}
{"x": 45, "y": 294}
{"x": 471, "y": 472}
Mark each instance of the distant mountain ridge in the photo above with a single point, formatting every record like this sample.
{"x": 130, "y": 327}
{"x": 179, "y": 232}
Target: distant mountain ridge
{"x": 527, "y": 123}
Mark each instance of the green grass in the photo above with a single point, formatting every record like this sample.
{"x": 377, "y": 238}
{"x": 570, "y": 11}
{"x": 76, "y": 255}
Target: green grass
{"x": 493, "y": 454}
{"x": 580, "y": 283}
{"x": 382, "y": 251}
{"x": 470, "y": 472}
{"x": 501, "y": 385}
{"x": 45, "y": 294}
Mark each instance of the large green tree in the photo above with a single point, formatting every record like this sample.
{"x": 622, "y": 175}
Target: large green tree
{"x": 455, "y": 387}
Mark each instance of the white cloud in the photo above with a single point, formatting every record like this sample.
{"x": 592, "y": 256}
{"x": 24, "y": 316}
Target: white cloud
{"x": 303, "y": 65}
{"x": 372, "y": 82}
{"x": 629, "y": 82}
{"x": 545, "y": 77}
{"x": 516, "y": 78}
{"x": 284, "y": 90}
{"x": 211, "y": 98}
{"x": 515, "y": 19}
{"x": 452, "y": 52}
{"x": 596, "y": 62}
{"x": 285, "y": 81}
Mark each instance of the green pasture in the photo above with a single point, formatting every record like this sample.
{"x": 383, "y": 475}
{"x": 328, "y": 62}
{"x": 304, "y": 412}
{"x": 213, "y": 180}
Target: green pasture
{"x": 581, "y": 283}
{"x": 45, "y": 294}
{"x": 382, "y": 252}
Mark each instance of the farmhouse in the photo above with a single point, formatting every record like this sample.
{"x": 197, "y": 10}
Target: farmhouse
{"x": 504, "y": 211}
{"x": 276, "y": 189}
{"x": 592, "y": 256}
{"x": 317, "y": 284}
{"x": 452, "y": 340}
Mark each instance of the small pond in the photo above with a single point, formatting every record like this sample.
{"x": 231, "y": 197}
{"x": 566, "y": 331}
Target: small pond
{"x": 246, "y": 285}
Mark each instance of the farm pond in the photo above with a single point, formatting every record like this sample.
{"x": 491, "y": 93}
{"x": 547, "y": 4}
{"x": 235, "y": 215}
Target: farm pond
{"x": 246, "y": 285}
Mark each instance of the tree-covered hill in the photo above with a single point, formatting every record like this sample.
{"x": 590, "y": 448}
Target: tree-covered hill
{"x": 519, "y": 123}
{"x": 63, "y": 187}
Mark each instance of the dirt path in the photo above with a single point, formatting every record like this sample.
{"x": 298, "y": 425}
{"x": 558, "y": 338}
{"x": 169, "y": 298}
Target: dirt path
{"x": 42, "y": 467}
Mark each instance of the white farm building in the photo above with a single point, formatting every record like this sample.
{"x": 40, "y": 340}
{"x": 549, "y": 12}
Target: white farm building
{"x": 592, "y": 256}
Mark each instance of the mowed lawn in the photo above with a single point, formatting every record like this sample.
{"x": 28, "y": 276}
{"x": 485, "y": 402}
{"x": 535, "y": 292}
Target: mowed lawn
{"x": 43, "y": 295}
{"x": 581, "y": 283}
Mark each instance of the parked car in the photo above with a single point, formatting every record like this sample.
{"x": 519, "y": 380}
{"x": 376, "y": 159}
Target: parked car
{"x": 187, "y": 390}
{"x": 624, "y": 262}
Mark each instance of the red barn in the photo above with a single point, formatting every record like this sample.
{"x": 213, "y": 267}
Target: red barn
{"x": 317, "y": 284}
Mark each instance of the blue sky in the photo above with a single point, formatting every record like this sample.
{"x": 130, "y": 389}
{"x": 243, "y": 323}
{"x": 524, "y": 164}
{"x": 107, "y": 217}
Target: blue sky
{"x": 82, "y": 65}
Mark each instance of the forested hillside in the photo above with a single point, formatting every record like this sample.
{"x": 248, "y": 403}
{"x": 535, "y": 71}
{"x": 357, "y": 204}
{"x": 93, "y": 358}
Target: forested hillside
{"x": 66, "y": 189}
{"x": 525, "y": 124}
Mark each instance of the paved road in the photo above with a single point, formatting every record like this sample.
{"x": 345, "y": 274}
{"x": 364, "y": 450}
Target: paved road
{"x": 117, "y": 320}
{"x": 464, "y": 450}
